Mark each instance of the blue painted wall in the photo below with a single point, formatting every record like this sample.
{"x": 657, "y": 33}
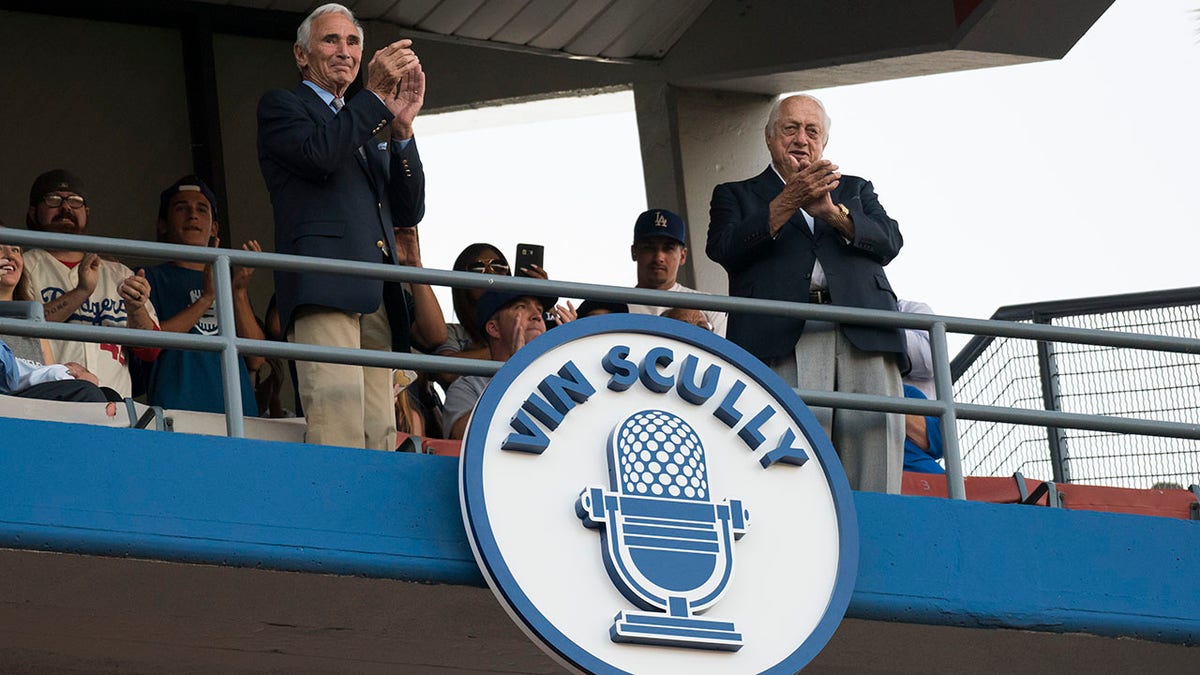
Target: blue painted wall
{"x": 96, "y": 490}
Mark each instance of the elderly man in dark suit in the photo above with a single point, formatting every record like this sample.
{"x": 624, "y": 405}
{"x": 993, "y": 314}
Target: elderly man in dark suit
{"x": 338, "y": 189}
{"x": 801, "y": 231}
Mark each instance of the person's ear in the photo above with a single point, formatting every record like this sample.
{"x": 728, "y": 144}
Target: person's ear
{"x": 492, "y": 328}
{"x": 160, "y": 226}
{"x": 682, "y": 254}
{"x": 633, "y": 252}
{"x": 216, "y": 228}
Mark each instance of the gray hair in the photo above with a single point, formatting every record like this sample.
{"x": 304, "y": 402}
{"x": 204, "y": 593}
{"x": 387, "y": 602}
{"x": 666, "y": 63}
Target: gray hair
{"x": 773, "y": 118}
{"x": 304, "y": 32}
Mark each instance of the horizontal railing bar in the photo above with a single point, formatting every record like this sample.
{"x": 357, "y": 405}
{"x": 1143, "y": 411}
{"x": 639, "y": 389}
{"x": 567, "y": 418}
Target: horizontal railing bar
{"x": 1129, "y": 425}
{"x": 247, "y": 346}
{"x": 803, "y": 310}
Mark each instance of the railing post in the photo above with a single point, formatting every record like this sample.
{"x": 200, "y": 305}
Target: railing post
{"x": 231, "y": 378}
{"x": 1048, "y": 372}
{"x": 944, "y": 387}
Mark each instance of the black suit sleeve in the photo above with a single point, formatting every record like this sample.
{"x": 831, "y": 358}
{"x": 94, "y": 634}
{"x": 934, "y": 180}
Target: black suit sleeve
{"x": 738, "y": 228}
{"x": 876, "y": 234}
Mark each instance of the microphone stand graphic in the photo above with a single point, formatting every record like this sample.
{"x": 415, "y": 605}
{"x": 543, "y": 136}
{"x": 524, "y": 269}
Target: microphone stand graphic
{"x": 666, "y": 546}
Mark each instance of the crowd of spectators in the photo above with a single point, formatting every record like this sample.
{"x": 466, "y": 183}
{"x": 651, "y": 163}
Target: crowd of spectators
{"x": 179, "y": 296}
{"x": 346, "y": 182}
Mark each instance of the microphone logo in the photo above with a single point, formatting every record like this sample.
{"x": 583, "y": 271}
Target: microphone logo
{"x": 666, "y": 545}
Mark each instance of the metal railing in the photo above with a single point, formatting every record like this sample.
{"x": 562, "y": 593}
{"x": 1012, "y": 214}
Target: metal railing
{"x": 1086, "y": 379}
{"x": 938, "y": 326}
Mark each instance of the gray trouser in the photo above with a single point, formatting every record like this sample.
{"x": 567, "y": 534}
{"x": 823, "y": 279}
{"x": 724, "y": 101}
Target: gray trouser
{"x": 870, "y": 444}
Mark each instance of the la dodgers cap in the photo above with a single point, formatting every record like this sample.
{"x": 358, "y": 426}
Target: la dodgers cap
{"x": 660, "y": 223}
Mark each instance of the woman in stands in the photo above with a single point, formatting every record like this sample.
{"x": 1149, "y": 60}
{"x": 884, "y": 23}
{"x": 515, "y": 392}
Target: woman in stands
{"x": 42, "y": 379}
{"x": 465, "y": 339}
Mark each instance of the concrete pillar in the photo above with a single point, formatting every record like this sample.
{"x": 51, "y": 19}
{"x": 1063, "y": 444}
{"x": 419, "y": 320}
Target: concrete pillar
{"x": 692, "y": 140}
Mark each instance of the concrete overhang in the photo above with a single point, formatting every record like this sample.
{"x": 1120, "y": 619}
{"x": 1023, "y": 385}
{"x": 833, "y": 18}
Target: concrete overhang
{"x": 492, "y": 52}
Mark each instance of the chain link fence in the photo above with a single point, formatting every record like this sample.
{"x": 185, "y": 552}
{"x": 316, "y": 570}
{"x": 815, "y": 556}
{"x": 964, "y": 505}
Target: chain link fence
{"x": 1086, "y": 379}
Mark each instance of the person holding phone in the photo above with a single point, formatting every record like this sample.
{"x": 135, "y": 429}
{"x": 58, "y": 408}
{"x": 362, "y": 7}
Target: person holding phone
{"x": 466, "y": 339}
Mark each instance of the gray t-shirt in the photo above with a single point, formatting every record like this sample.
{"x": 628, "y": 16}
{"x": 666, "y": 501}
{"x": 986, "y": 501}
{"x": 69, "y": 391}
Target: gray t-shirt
{"x": 28, "y": 348}
{"x": 461, "y": 398}
{"x": 457, "y": 340}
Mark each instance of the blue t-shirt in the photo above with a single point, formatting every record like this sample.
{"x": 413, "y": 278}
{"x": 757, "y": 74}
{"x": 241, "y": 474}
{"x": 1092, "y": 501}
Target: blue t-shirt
{"x": 916, "y": 459}
{"x": 188, "y": 380}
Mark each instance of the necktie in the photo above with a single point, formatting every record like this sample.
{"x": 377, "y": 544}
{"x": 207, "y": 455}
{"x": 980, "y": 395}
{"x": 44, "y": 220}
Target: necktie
{"x": 337, "y": 104}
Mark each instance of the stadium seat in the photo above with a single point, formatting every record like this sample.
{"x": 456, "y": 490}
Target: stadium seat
{"x": 428, "y": 446}
{"x": 1163, "y": 503}
{"x": 444, "y": 448}
{"x": 924, "y": 484}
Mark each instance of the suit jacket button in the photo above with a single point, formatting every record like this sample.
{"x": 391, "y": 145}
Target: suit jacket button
{"x": 379, "y": 244}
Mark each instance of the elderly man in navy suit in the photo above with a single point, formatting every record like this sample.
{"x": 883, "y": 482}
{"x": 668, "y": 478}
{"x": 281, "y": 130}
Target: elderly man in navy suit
{"x": 803, "y": 232}
{"x": 338, "y": 188}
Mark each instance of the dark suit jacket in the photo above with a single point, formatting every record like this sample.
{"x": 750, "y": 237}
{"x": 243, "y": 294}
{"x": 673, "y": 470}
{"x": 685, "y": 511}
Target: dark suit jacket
{"x": 329, "y": 200}
{"x": 781, "y": 268}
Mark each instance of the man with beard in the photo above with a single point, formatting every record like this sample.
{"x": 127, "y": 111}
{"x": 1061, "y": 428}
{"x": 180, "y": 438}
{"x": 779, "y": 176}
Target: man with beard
{"x": 81, "y": 287}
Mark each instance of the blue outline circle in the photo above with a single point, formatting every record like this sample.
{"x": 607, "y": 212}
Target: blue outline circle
{"x": 479, "y": 529}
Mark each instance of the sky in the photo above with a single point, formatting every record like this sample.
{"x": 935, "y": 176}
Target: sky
{"x": 1042, "y": 181}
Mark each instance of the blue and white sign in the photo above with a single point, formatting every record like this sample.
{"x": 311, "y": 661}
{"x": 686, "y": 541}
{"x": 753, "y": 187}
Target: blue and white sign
{"x": 646, "y": 497}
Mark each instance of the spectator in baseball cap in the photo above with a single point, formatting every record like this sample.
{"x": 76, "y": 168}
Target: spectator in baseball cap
{"x": 659, "y": 249}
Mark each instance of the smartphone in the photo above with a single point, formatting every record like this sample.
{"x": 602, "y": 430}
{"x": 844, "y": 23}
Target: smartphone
{"x": 528, "y": 254}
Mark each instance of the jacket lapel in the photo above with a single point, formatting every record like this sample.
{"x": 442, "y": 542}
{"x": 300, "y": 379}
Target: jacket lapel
{"x": 767, "y": 185}
{"x": 321, "y": 112}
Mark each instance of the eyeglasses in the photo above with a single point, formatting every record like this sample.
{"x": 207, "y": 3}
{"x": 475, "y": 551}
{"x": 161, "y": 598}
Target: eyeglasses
{"x": 54, "y": 201}
{"x": 494, "y": 266}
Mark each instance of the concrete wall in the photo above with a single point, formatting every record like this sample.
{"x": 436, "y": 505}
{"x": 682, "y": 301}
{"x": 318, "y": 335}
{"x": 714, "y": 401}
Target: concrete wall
{"x": 169, "y": 496}
{"x": 691, "y": 141}
{"x": 109, "y": 102}
{"x": 247, "y": 67}
{"x": 104, "y": 100}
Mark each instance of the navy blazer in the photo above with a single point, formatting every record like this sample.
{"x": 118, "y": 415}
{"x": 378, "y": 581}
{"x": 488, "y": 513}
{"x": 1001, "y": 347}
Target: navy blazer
{"x": 332, "y": 200}
{"x": 739, "y": 239}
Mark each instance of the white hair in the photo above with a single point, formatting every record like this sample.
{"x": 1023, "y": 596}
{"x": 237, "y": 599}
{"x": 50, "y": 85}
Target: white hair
{"x": 304, "y": 32}
{"x": 773, "y": 118}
